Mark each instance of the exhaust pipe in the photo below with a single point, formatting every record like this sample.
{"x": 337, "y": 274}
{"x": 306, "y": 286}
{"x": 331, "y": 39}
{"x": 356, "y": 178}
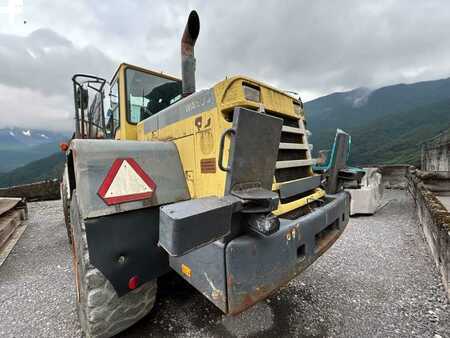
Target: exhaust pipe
{"x": 190, "y": 35}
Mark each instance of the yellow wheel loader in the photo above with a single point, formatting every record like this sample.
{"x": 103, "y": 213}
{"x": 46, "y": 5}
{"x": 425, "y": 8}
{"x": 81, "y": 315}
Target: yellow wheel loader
{"x": 215, "y": 184}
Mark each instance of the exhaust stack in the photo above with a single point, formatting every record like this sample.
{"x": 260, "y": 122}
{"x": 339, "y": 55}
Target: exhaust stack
{"x": 190, "y": 35}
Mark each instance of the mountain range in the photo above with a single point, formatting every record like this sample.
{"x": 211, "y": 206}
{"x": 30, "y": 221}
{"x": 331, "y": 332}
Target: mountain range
{"x": 45, "y": 168}
{"x": 387, "y": 125}
{"x": 20, "y": 146}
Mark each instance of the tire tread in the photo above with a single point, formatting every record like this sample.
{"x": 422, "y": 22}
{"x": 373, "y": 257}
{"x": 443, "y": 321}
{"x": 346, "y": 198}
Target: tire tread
{"x": 101, "y": 312}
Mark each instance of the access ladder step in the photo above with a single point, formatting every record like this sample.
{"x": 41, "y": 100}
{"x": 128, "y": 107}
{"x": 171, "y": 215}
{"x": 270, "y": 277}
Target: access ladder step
{"x": 295, "y": 146}
{"x": 296, "y": 163}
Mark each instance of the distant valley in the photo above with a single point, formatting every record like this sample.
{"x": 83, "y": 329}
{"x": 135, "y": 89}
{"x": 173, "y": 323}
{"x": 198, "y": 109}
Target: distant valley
{"x": 387, "y": 124}
{"x": 45, "y": 168}
{"x": 29, "y": 155}
{"x": 20, "y": 146}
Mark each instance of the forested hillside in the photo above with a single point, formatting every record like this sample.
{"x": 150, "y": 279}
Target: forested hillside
{"x": 387, "y": 125}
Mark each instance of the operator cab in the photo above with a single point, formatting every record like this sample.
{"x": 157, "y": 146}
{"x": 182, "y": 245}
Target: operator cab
{"x": 135, "y": 94}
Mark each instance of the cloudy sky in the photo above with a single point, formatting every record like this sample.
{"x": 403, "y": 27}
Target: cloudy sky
{"x": 312, "y": 47}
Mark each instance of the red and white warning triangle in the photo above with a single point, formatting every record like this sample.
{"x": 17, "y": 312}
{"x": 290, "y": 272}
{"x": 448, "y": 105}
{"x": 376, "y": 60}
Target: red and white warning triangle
{"x": 126, "y": 181}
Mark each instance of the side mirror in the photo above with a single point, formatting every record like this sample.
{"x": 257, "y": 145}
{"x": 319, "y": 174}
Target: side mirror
{"x": 82, "y": 98}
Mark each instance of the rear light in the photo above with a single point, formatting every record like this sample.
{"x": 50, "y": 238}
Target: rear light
{"x": 133, "y": 282}
{"x": 63, "y": 147}
{"x": 252, "y": 93}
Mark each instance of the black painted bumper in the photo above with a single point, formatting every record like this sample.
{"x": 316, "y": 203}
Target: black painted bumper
{"x": 257, "y": 265}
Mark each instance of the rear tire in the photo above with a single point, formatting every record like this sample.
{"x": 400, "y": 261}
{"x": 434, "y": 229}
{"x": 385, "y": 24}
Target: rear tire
{"x": 64, "y": 192}
{"x": 101, "y": 312}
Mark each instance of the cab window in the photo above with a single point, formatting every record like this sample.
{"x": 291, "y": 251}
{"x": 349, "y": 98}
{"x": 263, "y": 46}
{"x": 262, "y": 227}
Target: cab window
{"x": 148, "y": 94}
{"x": 113, "y": 120}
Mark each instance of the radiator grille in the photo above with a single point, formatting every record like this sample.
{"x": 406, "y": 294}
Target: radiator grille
{"x": 293, "y": 151}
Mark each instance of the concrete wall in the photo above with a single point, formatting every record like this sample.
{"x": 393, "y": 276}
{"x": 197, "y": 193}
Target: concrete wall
{"x": 438, "y": 182}
{"x": 435, "y": 153}
{"x": 39, "y": 191}
{"x": 394, "y": 175}
{"x": 434, "y": 218}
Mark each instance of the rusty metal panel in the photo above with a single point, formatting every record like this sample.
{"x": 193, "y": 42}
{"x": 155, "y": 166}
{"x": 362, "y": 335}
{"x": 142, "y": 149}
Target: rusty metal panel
{"x": 204, "y": 268}
{"x": 208, "y": 165}
{"x": 237, "y": 274}
{"x": 253, "y": 151}
{"x": 257, "y": 265}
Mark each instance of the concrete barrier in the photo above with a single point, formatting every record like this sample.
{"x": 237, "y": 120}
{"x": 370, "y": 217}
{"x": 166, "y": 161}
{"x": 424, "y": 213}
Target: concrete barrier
{"x": 435, "y": 152}
{"x": 394, "y": 175}
{"x": 434, "y": 216}
{"x": 437, "y": 182}
{"x": 39, "y": 191}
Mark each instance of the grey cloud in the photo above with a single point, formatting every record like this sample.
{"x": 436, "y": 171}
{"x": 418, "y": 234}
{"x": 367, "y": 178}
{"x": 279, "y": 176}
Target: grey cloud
{"x": 323, "y": 46}
{"x": 45, "y": 61}
{"x": 132, "y": 31}
{"x": 35, "y": 79}
{"x": 22, "y": 107}
{"x": 312, "y": 47}
{"x": 309, "y": 46}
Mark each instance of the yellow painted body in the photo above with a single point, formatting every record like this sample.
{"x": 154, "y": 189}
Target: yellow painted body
{"x": 197, "y": 137}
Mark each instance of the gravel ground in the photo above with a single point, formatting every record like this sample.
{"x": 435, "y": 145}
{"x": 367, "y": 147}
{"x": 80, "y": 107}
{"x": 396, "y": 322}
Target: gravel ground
{"x": 377, "y": 280}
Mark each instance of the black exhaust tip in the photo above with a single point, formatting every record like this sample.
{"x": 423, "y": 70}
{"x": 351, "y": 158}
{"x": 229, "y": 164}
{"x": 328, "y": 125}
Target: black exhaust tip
{"x": 192, "y": 28}
{"x": 190, "y": 35}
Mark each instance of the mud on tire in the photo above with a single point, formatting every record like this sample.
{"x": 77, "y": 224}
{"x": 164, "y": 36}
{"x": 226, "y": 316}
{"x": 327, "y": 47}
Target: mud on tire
{"x": 101, "y": 312}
